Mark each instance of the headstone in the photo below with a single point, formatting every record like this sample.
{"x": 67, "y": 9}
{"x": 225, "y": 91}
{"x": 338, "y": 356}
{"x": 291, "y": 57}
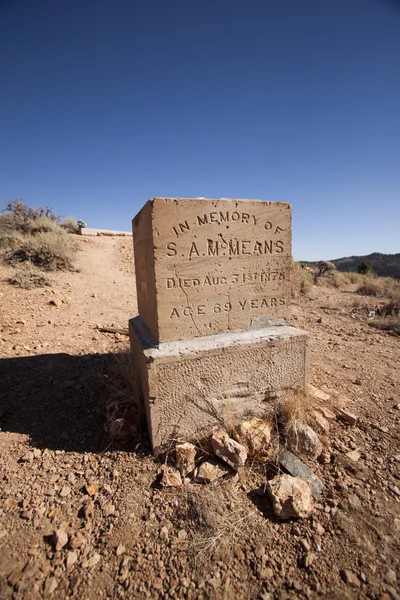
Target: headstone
{"x": 210, "y": 266}
{"x": 210, "y": 344}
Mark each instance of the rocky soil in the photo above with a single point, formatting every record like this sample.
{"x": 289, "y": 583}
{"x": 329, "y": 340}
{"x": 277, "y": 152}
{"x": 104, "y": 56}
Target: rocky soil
{"x": 82, "y": 516}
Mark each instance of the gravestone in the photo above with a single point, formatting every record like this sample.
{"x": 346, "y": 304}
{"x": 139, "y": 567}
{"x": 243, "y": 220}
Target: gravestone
{"x": 209, "y": 266}
{"x": 210, "y": 343}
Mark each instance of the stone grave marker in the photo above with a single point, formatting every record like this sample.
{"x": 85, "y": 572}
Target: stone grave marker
{"x": 210, "y": 343}
{"x": 209, "y": 266}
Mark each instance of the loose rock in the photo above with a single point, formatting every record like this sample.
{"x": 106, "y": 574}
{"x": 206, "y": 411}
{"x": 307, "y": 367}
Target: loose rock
{"x": 185, "y": 458}
{"x": 209, "y": 471}
{"x": 254, "y": 435}
{"x": 227, "y": 449}
{"x": 170, "y": 477}
{"x": 303, "y": 441}
{"x": 291, "y": 497}
{"x": 297, "y": 468}
{"x": 60, "y": 538}
{"x": 348, "y": 417}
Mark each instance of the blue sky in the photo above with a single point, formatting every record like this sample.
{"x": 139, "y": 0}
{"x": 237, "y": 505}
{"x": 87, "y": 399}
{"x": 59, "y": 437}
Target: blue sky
{"x": 104, "y": 105}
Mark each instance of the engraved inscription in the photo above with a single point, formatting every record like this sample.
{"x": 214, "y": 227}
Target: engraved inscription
{"x": 211, "y": 265}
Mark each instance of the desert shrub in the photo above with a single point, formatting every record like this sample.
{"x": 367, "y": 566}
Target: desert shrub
{"x": 18, "y": 216}
{"x": 9, "y": 239}
{"x": 42, "y": 224}
{"x": 365, "y": 267}
{"x": 325, "y": 267}
{"x": 28, "y": 279}
{"x": 382, "y": 287}
{"x": 302, "y": 280}
{"x": 352, "y": 277}
{"x": 388, "y": 317}
{"x": 50, "y": 250}
{"x": 70, "y": 224}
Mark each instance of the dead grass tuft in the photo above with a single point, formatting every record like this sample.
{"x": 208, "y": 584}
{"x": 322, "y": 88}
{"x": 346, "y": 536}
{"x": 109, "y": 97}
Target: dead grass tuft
{"x": 302, "y": 280}
{"x": 381, "y": 287}
{"x": 28, "y": 279}
{"x": 49, "y": 250}
{"x": 296, "y": 406}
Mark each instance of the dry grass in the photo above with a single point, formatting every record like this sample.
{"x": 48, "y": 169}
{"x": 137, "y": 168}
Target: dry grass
{"x": 296, "y": 406}
{"x": 381, "y": 287}
{"x": 302, "y": 280}
{"x": 29, "y": 278}
{"x": 42, "y": 224}
{"x": 70, "y": 224}
{"x": 50, "y": 250}
{"x": 126, "y": 417}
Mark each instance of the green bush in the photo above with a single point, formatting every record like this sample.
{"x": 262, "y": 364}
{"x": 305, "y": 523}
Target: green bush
{"x": 365, "y": 267}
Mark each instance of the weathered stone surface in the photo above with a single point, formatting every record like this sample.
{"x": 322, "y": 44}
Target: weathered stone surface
{"x": 170, "y": 477}
{"x": 291, "y": 497}
{"x": 320, "y": 422}
{"x": 209, "y": 266}
{"x": 303, "y": 441}
{"x": 227, "y": 449}
{"x": 317, "y": 394}
{"x": 210, "y": 471}
{"x": 255, "y": 435}
{"x": 185, "y": 455}
{"x": 297, "y": 468}
{"x": 60, "y": 538}
{"x": 189, "y": 385}
{"x": 348, "y": 417}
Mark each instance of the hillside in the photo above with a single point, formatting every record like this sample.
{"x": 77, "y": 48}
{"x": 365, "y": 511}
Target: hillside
{"x": 128, "y": 537}
{"x": 386, "y": 265}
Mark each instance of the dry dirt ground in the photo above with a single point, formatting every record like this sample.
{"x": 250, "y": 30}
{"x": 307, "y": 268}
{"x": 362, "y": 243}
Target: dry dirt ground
{"x": 129, "y": 538}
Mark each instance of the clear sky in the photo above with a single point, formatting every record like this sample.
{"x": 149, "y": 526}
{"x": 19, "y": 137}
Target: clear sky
{"x": 106, "y": 104}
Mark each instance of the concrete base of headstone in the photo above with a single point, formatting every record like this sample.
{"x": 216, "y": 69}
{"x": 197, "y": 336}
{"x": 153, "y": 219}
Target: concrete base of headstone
{"x": 192, "y": 384}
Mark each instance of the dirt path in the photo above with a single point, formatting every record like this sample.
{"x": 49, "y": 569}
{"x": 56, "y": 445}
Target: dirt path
{"x": 127, "y": 538}
{"x": 65, "y": 315}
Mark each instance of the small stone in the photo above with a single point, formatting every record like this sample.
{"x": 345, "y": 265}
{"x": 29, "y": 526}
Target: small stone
{"x": 259, "y": 550}
{"x": 308, "y": 559}
{"x": 297, "y": 468}
{"x": 28, "y": 457}
{"x": 60, "y": 539}
{"x": 92, "y": 562}
{"x": 92, "y": 488}
{"x": 164, "y": 533}
{"x": 326, "y": 413}
{"x": 72, "y": 557}
{"x": 50, "y": 586}
{"x": 37, "y": 453}
{"x": 354, "y": 455}
{"x": 291, "y": 497}
{"x": 3, "y": 533}
{"x": 15, "y": 576}
{"x": 321, "y": 424}
{"x": 317, "y": 394}
{"x": 185, "y": 455}
{"x": 350, "y": 578}
{"x": 391, "y": 577}
{"x": 303, "y": 441}
{"x": 265, "y": 573}
{"x": 305, "y": 544}
{"x": 319, "y": 529}
{"x": 254, "y": 435}
{"x": 120, "y": 550}
{"x": 210, "y": 471}
{"x": 170, "y": 477}
{"x": 65, "y": 491}
{"x": 348, "y": 417}
{"x": 227, "y": 449}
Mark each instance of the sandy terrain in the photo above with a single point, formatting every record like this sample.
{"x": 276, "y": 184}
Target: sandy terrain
{"x": 131, "y": 539}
